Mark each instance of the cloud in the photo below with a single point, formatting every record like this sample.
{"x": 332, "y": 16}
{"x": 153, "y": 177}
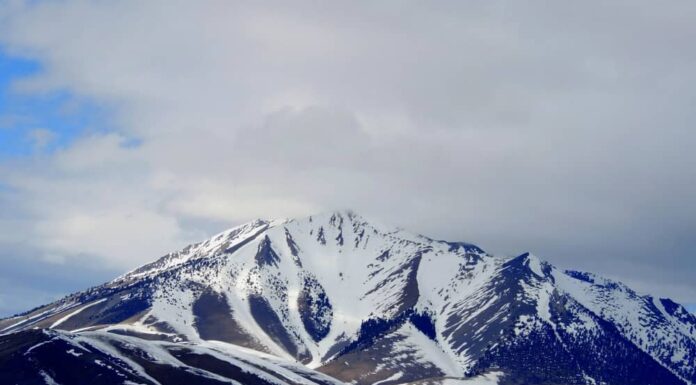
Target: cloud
{"x": 41, "y": 137}
{"x": 561, "y": 129}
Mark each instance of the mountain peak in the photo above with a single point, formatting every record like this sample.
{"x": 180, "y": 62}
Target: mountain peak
{"x": 334, "y": 216}
{"x": 335, "y": 292}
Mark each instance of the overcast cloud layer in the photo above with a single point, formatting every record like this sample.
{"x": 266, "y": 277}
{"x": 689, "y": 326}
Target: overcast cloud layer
{"x": 565, "y": 129}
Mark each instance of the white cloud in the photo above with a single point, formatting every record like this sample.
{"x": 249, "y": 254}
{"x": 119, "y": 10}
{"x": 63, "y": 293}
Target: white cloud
{"x": 561, "y": 129}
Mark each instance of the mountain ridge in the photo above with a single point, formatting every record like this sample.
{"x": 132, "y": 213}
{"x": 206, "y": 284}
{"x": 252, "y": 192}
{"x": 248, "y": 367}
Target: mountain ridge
{"x": 366, "y": 302}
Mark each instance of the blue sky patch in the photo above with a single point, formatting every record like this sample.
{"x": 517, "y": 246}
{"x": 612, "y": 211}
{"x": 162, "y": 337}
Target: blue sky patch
{"x": 33, "y": 123}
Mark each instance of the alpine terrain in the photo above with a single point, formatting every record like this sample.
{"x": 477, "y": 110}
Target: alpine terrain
{"x": 336, "y": 298}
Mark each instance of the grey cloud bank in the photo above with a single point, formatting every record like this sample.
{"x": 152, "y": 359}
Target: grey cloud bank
{"x": 561, "y": 129}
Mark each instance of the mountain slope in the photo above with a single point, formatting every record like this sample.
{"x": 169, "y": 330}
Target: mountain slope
{"x": 367, "y": 303}
{"x": 43, "y": 356}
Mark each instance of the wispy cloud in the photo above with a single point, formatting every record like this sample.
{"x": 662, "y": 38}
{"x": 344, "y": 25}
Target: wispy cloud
{"x": 41, "y": 137}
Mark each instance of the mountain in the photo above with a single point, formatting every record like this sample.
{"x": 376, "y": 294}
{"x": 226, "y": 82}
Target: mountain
{"x": 335, "y": 298}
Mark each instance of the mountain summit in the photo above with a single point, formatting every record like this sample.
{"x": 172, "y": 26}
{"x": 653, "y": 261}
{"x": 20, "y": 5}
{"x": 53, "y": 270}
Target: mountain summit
{"x": 336, "y": 298}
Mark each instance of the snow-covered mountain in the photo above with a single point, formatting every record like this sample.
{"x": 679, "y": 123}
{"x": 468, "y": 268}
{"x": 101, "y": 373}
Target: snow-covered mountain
{"x": 337, "y": 296}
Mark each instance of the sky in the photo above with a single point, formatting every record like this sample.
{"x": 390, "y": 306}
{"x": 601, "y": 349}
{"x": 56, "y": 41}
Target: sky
{"x": 130, "y": 129}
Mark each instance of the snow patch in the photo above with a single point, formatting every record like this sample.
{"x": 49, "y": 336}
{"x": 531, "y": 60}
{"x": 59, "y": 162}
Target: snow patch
{"x": 67, "y": 317}
{"x": 47, "y": 379}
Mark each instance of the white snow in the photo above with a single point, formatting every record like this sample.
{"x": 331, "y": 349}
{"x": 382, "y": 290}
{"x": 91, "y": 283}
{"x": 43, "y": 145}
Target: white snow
{"x": 39, "y": 316}
{"x": 535, "y": 265}
{"x": 72, "y": 352}
{"x": 393, "y": 377}
{"x": 35, "y": 346}
{"x": 662, "y": 337}
{"x": 426, "y": 351}
{"x": 48, "y": 379}
{"x": 67, "y": 317}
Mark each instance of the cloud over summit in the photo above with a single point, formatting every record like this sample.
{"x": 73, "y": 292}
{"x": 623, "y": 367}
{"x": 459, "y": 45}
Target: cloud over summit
{"x": 561, "y": 129}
